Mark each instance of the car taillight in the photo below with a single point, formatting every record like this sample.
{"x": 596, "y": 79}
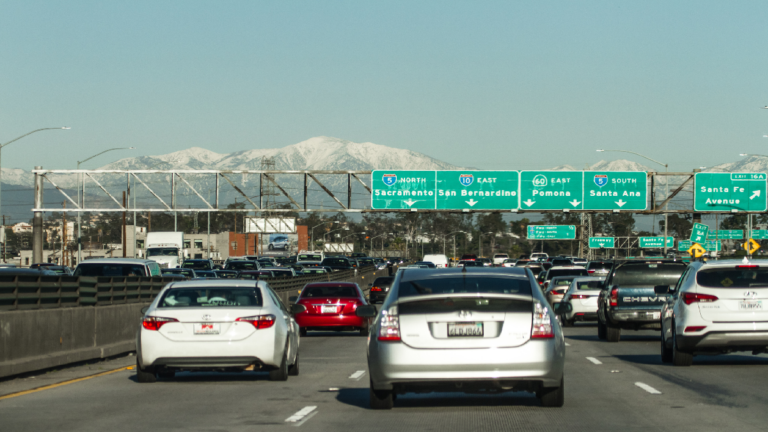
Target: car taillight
{"x": 389, "y": 329}
{"x": 259, "y": 321}
{"x": 580, "y": 296}
{"x": 691, "y": 329}
{"x": 542, "y": 323}
{"x": 615, "y": 297}
{"x": 590, "y": 271}
{"x": 375, "y": 288}
{"x": 689, "y": 298}
{"x": 154, "y": 323}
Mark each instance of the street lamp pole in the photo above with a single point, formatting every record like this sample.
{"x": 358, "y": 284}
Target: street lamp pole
{"x": 80, "y": 203}
{"x": 313, "y": 232}
{"x": 666, "y": 182}
{"x": 381, "y": 235}
{"x": 2, "y": 225}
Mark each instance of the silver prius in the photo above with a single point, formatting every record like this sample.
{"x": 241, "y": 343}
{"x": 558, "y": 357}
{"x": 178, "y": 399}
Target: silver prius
{"x": 465, "y": 329}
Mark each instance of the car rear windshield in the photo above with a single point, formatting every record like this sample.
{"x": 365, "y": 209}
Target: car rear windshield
{"x": 383, "y": 280}
{"x": 562, "y": 281}
{"x": 242, "y": 265}
{"x": 590, "y": 285}
{"x": 648, "y": 274}
{"x": 562, "y": 262}
{"x": 305, "y": 257}
{"x": 567, "y": 272}
{"x": 211, "y": 297}
{"x": 747, "y": 277}
{"x": 465, "y": 284}
{"x": 329, "y": 291}
{"x": 536, "y": 270}
{"x": 599, "y": 266}
{"x": 336, "y": 261}
{"x": 197, "y": 265}
{"x": 110, "y": 270}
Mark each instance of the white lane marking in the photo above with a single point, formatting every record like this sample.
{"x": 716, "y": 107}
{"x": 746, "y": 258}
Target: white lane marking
{"x": 567, "y": 344}
{"x": 594, "y": 360}
{"x": 647, "y": 388}
{"x": 357, "y": 375}
{"x": 301, "y": 414}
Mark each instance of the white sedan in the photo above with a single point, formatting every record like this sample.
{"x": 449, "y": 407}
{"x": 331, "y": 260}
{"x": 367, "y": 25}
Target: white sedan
{"x": 218, "y": 325}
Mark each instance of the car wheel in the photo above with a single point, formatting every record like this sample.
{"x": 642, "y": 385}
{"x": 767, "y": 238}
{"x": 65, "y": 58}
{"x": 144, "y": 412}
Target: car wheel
{"x": 303, "y": 331}
{"x": 553, "y": 397}
{"x": 666, "y": 353}
{"x": 294, "y": 369}
{"x": 381, "y": 399}
{"x": 679, "y": 358}
{"x": 270, "y": 247}
{"x": 281, "y": 373}
{"x": 612, "y": 333}
{"x": 601, "y": 330}
{"x": 565, "y": 322}
{"x": 145, "y": 375}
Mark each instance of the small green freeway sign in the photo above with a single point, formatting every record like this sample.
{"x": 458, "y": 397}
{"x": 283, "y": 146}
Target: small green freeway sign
{"x": 730, "y": 191}
{"x": 399, "y": 189}
{"x": 726, "y": 235}
{"x": 484, "y": 190}
{"x": 551, "y": 232}
{"x": 699, "y": 233}
{"x": 602, "y": 242}
{"x": 710, "y": 245}
{"x": 656, "y": 242}
{"x": 759, "y": 234}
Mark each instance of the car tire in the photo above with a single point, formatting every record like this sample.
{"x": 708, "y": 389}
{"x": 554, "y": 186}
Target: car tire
{"x": 565, "y": 322}
{"x": 281, "y": 373}
{"x": 381, "y": 399}
{"x": 303, "y": 331}
{"x": 270, "y": 247}
{"x": 612, "y": 333}
{"x": 679, "y": 358}
{"x": 666, "y": 352}
{"x": 146, "y": 375}
{"x": 553, "y": 397}
{"x": 601, "y": 330}
{"x": 294, "y": 369}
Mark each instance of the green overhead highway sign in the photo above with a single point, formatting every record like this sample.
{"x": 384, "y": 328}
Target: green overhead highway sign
{"x": 398, "y": 189}
{"x": 699, "y": 233}
{"x": 710, "y": 245}
{"x": 730, "y": 191}
{"x": 726, "y": 235}
{"x": 483, "y": 190}
{"x": 615, "y": 190}
{"x": 759, "y": 234}
{"x": 551, "y": 190}
{"x": 656, "y": 242}
{"x": 684, "y": 245}
{"x": 551, "y": 232}
{"x": 601, "y": 242}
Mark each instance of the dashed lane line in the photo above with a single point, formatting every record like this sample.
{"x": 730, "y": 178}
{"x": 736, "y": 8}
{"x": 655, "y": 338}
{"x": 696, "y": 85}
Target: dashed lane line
{"x": 594, "y": 360}
{"x": 647, "y": 388}
{"x": 63, "y": 383}
{"x": 357, "y": 375}
{"x": 302, "y": 415}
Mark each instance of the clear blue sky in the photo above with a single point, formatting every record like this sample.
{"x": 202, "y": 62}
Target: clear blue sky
{"x": 504, "y": 85}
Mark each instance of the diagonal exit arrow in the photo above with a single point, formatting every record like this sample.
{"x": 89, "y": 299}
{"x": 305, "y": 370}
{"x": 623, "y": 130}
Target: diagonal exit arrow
{"x": 755, "y": 194}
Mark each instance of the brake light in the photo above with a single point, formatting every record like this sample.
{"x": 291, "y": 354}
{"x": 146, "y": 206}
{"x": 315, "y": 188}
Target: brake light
{"x": 154, "y": 323}
{"x": 615, "y": 297}
{"x": 375, "y": 288}
{"x": 690, "y": 298}
{"x": 542, "y": 323}
{"x": 580, "y": 296}
{"x": 692, "y": 329}
{"x": 747, "y": 266}
{"x": 389, "y": 329}
{"x": 590, "y": 271}
{"x": 259, "y": 321}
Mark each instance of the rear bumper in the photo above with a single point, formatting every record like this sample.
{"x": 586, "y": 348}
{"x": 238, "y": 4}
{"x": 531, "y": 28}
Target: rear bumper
{"x": 724, "y": 341}
{"x": 206, "y": 362}
{"x": 539, "y": 362}
{"x": 376, "y": 296}
{"x": 329, "y": 321}
{"x": 636, "y": 315}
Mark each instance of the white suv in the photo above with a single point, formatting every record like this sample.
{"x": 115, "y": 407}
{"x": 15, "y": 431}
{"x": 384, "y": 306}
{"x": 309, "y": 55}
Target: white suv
{"x": 716, "y": 308}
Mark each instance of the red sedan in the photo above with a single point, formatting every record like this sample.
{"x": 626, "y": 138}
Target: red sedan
{"x": 331, "y": 306}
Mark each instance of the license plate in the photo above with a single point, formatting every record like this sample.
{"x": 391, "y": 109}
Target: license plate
{"x": 206, "y": 329}
{"x": 473, "y": 329}
{"x": 751, "y": 305}
{"x": 328, "y": 309}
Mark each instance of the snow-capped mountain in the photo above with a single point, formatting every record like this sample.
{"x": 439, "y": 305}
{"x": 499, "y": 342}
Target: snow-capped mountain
{"x": 617, "y": 165}
{"x": 748, "y": 164}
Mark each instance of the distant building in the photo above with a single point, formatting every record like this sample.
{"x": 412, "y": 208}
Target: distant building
{"x": 21, "y": 228}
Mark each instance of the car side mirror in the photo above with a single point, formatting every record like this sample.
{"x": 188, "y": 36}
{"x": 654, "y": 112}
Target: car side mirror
{"x": 366, "y": 311}
{"x": 293, "y": 299}
{"x": 298, "y": 308}
{"x": 563, "y": 307}
{"x": 370, "y": 284}
{"x": 661, "y": 289}
{"x": 144, "y": 310}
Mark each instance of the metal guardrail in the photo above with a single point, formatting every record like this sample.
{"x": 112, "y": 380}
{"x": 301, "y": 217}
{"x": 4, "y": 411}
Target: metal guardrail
{"x": 27, "y": 292}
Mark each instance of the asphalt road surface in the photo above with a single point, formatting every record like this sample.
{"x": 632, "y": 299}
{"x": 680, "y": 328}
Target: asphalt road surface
{"x": 609, "y": 386}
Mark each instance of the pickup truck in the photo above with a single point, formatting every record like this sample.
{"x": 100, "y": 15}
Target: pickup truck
{"x": 633, "y": 295}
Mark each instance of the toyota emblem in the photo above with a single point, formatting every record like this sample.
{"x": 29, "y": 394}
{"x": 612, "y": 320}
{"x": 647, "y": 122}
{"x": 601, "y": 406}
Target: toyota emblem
{"x": 206, "y": 317}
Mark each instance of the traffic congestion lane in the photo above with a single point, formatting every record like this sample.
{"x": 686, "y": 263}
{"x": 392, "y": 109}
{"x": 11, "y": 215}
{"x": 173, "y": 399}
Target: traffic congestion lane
{"x": 331, "y": 394}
